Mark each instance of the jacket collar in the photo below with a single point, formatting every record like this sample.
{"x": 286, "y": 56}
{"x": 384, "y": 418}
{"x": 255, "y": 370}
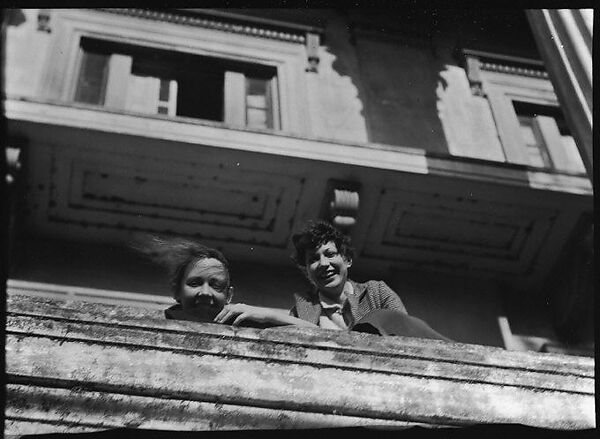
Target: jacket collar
{"x": 309, "y": 306}
{"x": 359, "y": 289}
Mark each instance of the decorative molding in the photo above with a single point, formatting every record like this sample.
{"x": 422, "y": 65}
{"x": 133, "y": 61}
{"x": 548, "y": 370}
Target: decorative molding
{"x": 312, "y": 50}
{"x": 514, "y": 70}
{"x": 130, "y": 191}
{"x": 441, "y": 232}
{"x": 473, "y": 68}
{"x": 342, "y": 201}
{"x": 244, "y": 17}
{"x": 475, "y": 62}
{"x": 244, "y": 29}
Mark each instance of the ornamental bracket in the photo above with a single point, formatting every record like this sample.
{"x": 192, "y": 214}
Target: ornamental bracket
{"x": 312, "y": 51}
{"x": 13, "y": 163}
{"x": 341, "y": 204}
{"x": 43, "y": 23}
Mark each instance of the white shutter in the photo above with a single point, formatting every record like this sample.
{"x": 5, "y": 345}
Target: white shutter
{"x": 172, "y": 97}
{"x": 168, "y": 104}
{"x": 142, "y": 94}
{"x": 562, "y": 149}
{"x": 119, "y": 70}
{"x": 273, "y": 103}
{"x": 508, "y": 125}
{"x": 235, "y": 99}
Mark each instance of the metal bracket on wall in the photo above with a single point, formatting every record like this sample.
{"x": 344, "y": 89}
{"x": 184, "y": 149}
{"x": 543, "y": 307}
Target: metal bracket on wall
{"x": 13, "y": 163}
{"x": 312, "y": 50}
{"x": 473, "y": 66}
{"x": 43, "y": 23}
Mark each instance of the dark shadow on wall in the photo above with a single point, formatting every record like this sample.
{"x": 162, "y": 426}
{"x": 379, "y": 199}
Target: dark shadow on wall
{"x": 395, "y": 59}
{"x": 396, "y": 72}
{"x": 14, "y": 17}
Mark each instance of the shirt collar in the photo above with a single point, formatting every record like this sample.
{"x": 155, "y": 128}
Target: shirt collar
{"x": 327, "y": 303}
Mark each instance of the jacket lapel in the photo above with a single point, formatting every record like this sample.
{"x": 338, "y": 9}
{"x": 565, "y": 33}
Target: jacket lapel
{"x": 308, "y": 309}
{"x": 354, "y": 299}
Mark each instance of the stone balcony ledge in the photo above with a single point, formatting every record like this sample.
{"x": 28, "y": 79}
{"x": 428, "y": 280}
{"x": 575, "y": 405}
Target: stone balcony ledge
{"x": 78, "y": 366}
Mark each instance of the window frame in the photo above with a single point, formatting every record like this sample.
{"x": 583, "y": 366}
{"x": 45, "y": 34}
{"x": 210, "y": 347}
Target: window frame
{"x": 502, "y": 89}
{"x": 287, "y": 58}
{"x": 116, "y": 87}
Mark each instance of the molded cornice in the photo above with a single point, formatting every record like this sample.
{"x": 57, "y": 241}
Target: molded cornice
{"x": 250, "y": 28}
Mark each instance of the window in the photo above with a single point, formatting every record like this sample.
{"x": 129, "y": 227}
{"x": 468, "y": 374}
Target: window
{"x": 543, "y": 128}
{"x": 530, "y": 124}
{"x": 537, "y": 155}
{"x": 91, "y": 84}
{"x": 154, "y": 81}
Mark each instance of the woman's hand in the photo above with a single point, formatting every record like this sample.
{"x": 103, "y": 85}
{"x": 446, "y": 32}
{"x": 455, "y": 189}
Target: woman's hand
{"x": 240, "y": 312}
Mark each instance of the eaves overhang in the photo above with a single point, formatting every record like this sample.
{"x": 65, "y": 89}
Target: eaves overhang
{"x": 369, "y": 155}
{"x": 104, "y": 174}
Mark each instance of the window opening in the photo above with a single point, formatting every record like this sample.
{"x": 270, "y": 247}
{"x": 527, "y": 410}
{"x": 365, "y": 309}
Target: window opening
{"x": 534, "y": 120}
{"x": 156, "y": 81}
{"x": 91, "y": 83}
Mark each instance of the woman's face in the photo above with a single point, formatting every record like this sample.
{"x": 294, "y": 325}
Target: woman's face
{"x": 327, "y": 269}
{"x": 205, "y": 284}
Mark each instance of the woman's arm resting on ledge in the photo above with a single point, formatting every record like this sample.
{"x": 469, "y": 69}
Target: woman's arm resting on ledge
{"x": 241, "y": 312}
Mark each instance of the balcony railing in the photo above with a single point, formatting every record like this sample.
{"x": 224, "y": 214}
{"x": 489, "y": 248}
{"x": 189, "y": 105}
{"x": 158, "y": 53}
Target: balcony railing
{"x": 80, "y": 366}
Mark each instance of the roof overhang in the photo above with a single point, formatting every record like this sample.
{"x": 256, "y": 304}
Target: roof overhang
{"x": 246, "y": 191}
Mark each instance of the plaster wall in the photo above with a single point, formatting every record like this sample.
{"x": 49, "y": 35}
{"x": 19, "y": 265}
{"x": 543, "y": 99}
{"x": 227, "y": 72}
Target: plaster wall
{"x": 398, "y": 90}
{"x": 466, "y": 119}
{"x": 336, "y": 100}
{"x": 400, "y": 82}
{"x": 410, "y": 93}
{"x": 26, "y": 50}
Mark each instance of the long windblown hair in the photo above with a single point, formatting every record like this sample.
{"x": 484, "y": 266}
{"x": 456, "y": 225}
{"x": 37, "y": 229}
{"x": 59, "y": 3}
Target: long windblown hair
{"x": 175, "y": 254}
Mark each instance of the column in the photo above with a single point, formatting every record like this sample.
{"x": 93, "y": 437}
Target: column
{"x": 564, "y": 39}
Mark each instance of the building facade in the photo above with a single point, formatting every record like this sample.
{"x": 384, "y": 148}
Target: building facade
{"x": 435, "y": 139}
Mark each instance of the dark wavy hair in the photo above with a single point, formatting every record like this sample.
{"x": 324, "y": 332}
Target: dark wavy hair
{"x": 176, "y": 254}
{"x": 315, "y": 234}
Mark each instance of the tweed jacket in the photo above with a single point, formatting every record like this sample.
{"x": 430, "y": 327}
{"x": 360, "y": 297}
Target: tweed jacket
{"x": 367, "y": 297}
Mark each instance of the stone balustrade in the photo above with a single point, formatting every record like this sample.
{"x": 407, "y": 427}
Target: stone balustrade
{"x": 75, "y": 366}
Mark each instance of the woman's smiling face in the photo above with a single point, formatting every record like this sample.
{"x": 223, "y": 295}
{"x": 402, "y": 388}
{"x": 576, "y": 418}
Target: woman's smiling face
{"x": 327, "y": 269}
